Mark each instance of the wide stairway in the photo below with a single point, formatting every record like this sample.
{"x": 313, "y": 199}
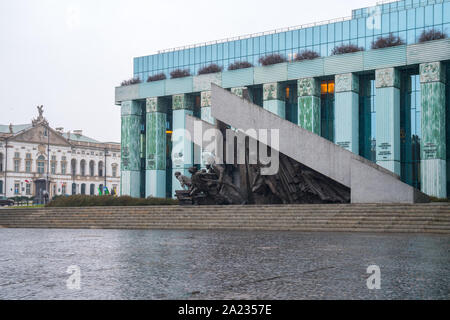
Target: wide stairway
{"x": 419, "y": 218}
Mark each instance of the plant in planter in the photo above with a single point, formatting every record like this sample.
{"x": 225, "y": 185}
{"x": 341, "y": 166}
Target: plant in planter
{"x": 346, "y": 48}
{"x": 180, "y": 73}
{"x": 306, "y": 55}
{"x": 386, "y": 42}
{"x": 212, "y": 68}
{"x": 157, "y": 77}
{"x": 130, "y": 82}
{"x": 432, "y": 34}
{"x": 272, "y": 59}
{"x": 240, "y": 65}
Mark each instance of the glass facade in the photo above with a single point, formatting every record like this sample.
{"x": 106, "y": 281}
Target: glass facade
{"x": 367, "y": 118}
{"x": 410, "y": 128}
{"x": 407, "y": 19}
{"x": 327, "y": 109}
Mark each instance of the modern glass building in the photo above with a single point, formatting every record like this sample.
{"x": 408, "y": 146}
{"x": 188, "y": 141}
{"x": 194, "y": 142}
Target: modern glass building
{"x": 388, "y": 105}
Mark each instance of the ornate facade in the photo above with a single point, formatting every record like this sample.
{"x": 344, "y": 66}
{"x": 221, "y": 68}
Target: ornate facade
{"x": 34, "y": 157}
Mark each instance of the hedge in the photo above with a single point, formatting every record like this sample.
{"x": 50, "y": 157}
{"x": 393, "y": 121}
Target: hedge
{"x": 108, "y": 201}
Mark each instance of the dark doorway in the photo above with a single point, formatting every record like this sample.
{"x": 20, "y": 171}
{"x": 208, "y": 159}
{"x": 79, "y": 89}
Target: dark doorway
{"x": 40, "y": 187}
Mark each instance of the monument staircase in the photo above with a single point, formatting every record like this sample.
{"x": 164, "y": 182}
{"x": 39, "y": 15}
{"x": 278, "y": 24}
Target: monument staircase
{"x": 389, "y": 218}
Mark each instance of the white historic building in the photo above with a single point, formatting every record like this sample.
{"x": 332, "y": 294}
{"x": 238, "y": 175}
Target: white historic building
{"x": 35, "y": 157}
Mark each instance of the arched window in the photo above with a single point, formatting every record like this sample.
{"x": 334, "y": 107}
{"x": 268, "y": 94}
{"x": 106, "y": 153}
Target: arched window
{"x": 73, "y": 164}
{"x": 100, "y": 169}
{"x": 83, "y": 188}
{"x": 83, "y": 168}
{"x": 74, "y": 188}
{"x": 41, "y": 164}
{"x": 92, "y": 189}
{"x": 114, "y": 170}
{"x": 1, "y": 162}
{"x": 92, "y": 168}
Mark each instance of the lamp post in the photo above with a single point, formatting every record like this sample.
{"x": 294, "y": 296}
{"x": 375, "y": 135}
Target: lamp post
{"x": 6, "y": 165}
{"x": 47, "y": 187}
{"x": 106, "y": 151}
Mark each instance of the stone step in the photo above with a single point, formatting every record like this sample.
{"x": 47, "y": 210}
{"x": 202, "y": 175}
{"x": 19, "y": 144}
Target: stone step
{"x": 266, "y": 228}
{"x": 227, "y": 222}
{"x": 370, "y": 220}
{"x": 434, "y": 218}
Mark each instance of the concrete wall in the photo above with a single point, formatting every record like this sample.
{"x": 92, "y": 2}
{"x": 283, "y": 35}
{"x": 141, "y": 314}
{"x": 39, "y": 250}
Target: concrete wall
{"x": 370, "y": 183}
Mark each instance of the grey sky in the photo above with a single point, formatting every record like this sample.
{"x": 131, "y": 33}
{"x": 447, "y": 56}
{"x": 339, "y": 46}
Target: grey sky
{"x": 70, "y": 54}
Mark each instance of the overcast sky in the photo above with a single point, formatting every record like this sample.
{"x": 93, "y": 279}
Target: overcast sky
{"x": 68, "y": 55}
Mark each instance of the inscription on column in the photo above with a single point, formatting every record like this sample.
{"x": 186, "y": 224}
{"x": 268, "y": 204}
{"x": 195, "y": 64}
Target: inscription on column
{"x": 385, "y": 151}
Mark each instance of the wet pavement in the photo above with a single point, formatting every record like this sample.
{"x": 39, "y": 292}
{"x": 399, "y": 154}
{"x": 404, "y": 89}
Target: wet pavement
{"x": 221, "y": 265}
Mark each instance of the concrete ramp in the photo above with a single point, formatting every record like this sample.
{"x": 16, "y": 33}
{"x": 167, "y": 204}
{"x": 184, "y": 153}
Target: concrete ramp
{"x": 369, "y": 183}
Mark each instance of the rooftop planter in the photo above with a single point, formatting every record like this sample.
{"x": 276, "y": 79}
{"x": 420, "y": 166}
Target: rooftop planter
{"x": 157, "y": 77}
{"x": 346, "y": 48}
{"x": 386, "y": 42}
{"x": 272, "y": 59}
{"x": 306, "y": 55}
{"x": 432, "y": 34}
{"x": 130, "y": 82}
{"x": 239, "y": 65}
{"x": 212, "y": 68}
{"x": 179, "y": 73}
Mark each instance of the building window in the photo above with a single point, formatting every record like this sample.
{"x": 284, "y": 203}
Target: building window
{"x": 327, "y": 110}
{"x": 1, "y": 162}
{"x": 92, "y": 168}
{"x": 63, "y": 167}
{"x": 100, "y": 169}
{"x": 74, "y": 167}
{"x": 16, "y": 165}
{"x": 410, "y": 129}
{"x": 63, "y": 189}
{"x": 83, "y": 167}
{"x": 92, "y": 189}
{"x": 17, "y": 155}
{"x": 1, "y": 186}
{"x": 114, "y": 171}
{"x": 83, "y": 188}
{"x": 28, "y": 166}
{"x": 41, "y": 164}
{"x": 53, "y": 167}
{"x": 16, "y": 188}
{"x": 367, "y": 118}
{"x": 28, "y": 189}
{"x": 74, "y": 188}
{"x": 54, "y": 190}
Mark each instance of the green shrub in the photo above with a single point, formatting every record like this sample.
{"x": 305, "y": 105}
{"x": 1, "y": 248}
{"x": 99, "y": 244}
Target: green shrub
{"x": 108, "y": 201}
{"x": 434, "y": 199}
